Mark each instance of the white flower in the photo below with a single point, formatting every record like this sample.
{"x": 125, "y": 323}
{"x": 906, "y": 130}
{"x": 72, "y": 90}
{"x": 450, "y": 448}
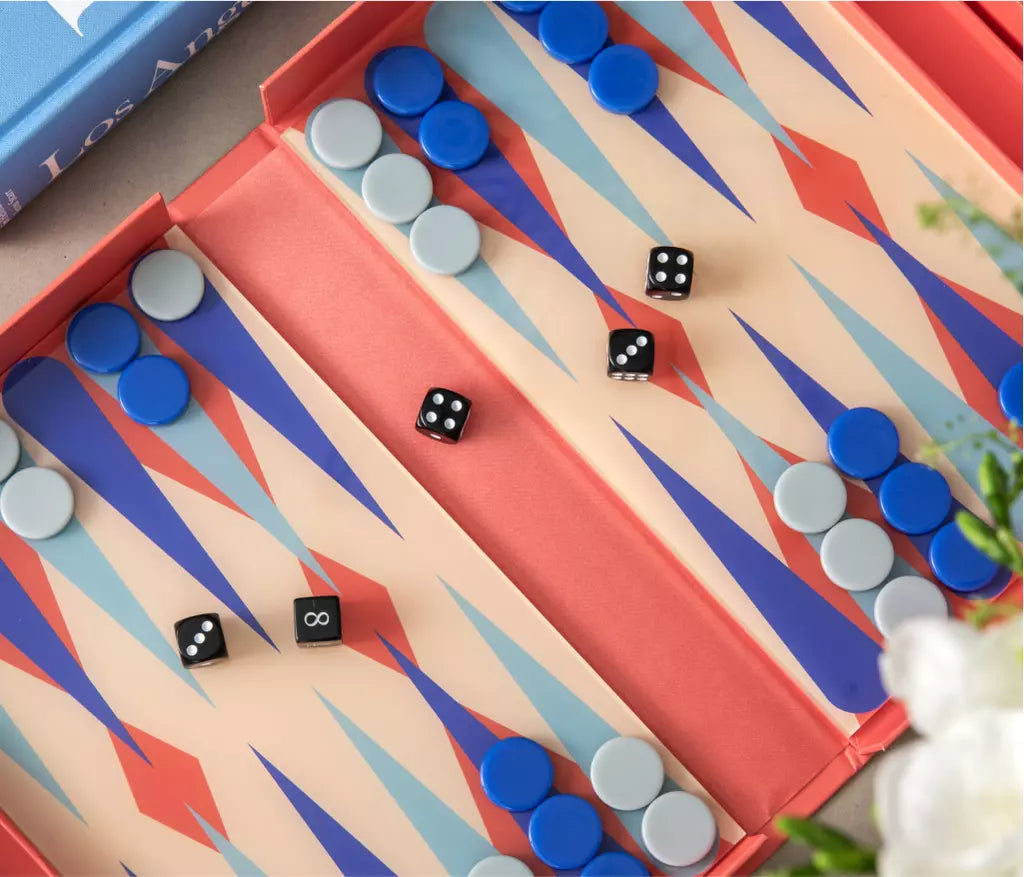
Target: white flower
{"x": 943, "y": 669}
{"x": 951, "y": 806}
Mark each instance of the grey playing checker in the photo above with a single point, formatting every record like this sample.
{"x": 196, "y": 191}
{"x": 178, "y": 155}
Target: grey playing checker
{"x": 37, "y": 503}
{"x": 445, "y": 239}
{"x": 397, "y": 188}
{"x": 857, "y": 554}
{"x": 678, "y": 829}
{"x": 810, "y": 497}
{"x": 345, "y": 133}
{"x": 908, "y": 597}
{"x": 167, "y": 285}
{"x": 627, "y": 773}
{"x": 500, "y": 866}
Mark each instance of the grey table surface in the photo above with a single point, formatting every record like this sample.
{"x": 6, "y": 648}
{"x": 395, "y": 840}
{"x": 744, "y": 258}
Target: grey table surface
{"x": 165, "y": 144}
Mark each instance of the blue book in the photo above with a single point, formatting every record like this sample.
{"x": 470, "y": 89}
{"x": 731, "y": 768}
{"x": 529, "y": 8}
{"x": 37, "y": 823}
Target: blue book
{"x": 71, "y": 70}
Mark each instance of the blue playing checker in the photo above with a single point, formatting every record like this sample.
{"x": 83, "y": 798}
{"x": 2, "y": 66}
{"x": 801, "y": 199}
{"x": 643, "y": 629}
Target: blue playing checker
{"x": 863, "y": 442}
{"x": 565, "y": 832}
{"x": 454, "y": 135}
{"x": 1011, "y": 393}
{"x": 623, "y": 79}
{"x": 407, "y": 80}
{"x": 516, "y": 773}
{"x": 915, "y": 498}
{"x": 153, "y": 390}
{"x": 524, "y": 5}
{"x": 957, "y": 563}
{"x": 103, "y": 338}
{"x": 573, "y": 32}
{"x": 615, "y": 865}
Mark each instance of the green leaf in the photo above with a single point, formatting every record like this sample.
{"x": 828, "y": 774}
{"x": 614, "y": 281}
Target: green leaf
{"x": 797, "y": 871}
{"x": 983, "y": 612}
{"x": 982, "y": 537}
{"x": 813, "y": 834}
{"x": 855, "y": 861}
{"x": 1011, "y": 546}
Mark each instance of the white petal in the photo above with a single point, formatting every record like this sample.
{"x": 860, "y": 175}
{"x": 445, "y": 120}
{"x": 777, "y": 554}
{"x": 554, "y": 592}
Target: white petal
{"x": 952, "y": 805}
{"x": 927, "y": 665}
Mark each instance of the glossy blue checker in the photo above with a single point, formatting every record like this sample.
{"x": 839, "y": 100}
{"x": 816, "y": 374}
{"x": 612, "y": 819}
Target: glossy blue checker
{"x": 525, "y": 6}
{"x": 957, "y": 563}
{"x": 516, "y": 773}
{"x": 863, "y": 442}
{"x": 615, "y": 865}
{"x": 1011, "y": 393}
{"x": 565, "y": 832}
{"x": 623, "y": 79}
{"x": 153, "y": 390}
{"x": 915, "y": 498}
{"x": 103, "y": 338}
{"x": 573, "y": 32}
{"x": 454, "y": 135}
{"x": 407, "y": 80}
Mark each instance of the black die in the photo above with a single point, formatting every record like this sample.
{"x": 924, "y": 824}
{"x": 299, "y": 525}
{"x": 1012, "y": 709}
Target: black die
{"x": 669, "y": 272}
{"x": 443, "y": 415}
{"x": 200, "y": 640}
{"x": 630, "y": 354}
{"x": 318, "y": 621}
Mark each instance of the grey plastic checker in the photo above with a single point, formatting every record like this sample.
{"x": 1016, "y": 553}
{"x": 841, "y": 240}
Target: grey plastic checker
{"x": 678, "y": 829}
{"x": 908, "y": 597}
{"x": 345, "y": 133}
{"x": 810, "y": 497}
{"x": 445, "y": 239}
{"x": 37, "y": 503}
{"x": 397, "y": 188}
{"x": 627, "y": 773}
{"x": 10, "y": 450}
{"x": 500, "y": 866}
{"x": 857, "y": 554}
{"x": 167, "y": 285}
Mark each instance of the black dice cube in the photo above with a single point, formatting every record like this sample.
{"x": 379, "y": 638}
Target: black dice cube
{"x": 630, "y": 354}
{"x": 200, "y": 640}
{"x": 443, "y": 415}
{"x": 318, "y": 621}
{"x": 669, "y": 272}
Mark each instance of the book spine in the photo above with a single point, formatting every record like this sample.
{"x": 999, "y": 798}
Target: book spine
{"x": 98, "y": 98}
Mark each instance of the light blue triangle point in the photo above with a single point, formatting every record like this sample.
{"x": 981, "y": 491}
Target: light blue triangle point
{"x": 455, "y": 843}
{"x": 469, "y": 39}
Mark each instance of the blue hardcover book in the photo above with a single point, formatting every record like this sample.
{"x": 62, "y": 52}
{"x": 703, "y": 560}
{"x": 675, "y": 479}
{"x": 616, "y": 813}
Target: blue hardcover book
{"x": 70, "y": 70}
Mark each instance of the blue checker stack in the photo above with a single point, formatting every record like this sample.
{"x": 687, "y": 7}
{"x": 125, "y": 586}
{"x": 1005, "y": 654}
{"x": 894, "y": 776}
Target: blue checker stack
{"x": 623, "y": 79}
{"x": 153, "y": 390}
{"x": 565, "y": 832}
{"x": 407, "y": 80}
{"x": 523, "y": 6}
{"x": 615, "y": 865}
{"x": 573, "y": 32}
{"x": 1011, "y": 394}
{"x": 103, "y": 338}
{"x": 454, "y": 135}
{"x": 863, "y": 443}
{"x": 516, "y": 774}
{"x": 915, "y": 498}
{"x": 957, "y": 563}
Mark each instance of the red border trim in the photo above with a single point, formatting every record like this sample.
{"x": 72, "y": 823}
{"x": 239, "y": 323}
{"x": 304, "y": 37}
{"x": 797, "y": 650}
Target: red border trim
{"x": 957, "y": 65}
{"x": 18, "y": 856}
{"x": 1004, "y": 18}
